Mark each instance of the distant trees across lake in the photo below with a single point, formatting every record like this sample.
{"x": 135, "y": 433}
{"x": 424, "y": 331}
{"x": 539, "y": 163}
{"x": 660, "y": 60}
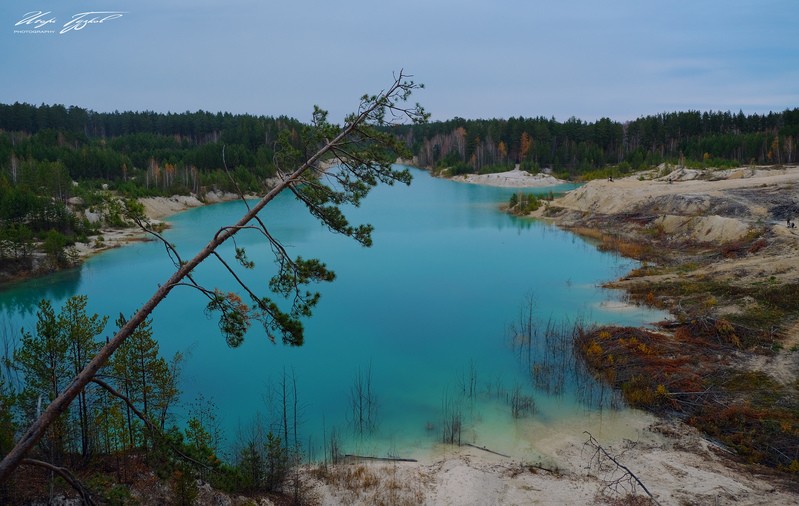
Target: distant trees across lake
{"x": 149, "y": 153}
{"x": 142, "y": 152}
{"x": 575, "y": 147}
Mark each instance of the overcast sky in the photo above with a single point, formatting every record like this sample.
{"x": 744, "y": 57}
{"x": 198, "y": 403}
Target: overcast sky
{"x": 615, "y": 58}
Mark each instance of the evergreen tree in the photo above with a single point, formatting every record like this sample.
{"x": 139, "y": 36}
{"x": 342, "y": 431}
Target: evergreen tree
{"x": 146, "y": 379}
{"x": 81, "y": 330}
{"x": 366, "y": 152}
{"x": 42, "y": 360}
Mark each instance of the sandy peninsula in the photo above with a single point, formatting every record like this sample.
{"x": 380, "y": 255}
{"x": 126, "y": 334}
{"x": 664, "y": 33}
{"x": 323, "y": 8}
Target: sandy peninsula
{"x": 515, "y": 178}
{"x": 157, "y": 210}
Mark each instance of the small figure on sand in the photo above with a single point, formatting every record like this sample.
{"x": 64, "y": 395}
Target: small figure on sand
{"x": 610, "y": 178}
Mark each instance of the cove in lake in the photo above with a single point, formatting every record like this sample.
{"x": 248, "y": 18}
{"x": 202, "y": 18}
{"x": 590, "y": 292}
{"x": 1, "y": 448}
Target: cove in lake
{"x": 423, "y": 313}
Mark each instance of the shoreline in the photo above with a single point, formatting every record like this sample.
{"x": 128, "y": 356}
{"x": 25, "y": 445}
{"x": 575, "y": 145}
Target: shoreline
{"x": 157, "y": 210}
{"x": 673, "y": 461}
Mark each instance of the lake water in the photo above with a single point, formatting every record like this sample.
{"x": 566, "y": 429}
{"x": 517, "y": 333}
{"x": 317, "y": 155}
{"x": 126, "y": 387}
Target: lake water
{"x": 426, "y": 310}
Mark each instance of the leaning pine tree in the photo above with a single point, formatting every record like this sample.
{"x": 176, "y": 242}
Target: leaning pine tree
{"x": 363, "y": 150}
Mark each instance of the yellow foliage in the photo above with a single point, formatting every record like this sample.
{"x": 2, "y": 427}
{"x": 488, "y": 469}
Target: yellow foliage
{"x": 594, "y": 349}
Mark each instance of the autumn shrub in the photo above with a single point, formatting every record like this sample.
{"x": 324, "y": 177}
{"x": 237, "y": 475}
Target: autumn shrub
{"x": 694, "y": 371}
{"x": 757, "y": 246}
{"x": 588, "y": 233}
{"x": 638, "y": 392}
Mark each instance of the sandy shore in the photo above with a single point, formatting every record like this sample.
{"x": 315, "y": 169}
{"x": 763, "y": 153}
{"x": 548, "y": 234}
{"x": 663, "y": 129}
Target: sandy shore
{"x": 703, "y": 208}
{"x": 157, "y": 210}
{"x": 511, "y": 179}
{"x": 672, "y": 461}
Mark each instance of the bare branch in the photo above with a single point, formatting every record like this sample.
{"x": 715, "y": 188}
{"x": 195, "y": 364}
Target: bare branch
{"x": 598, "y": 458}
{"x": 153, "y": 429}
{"x": 67, "y": 475}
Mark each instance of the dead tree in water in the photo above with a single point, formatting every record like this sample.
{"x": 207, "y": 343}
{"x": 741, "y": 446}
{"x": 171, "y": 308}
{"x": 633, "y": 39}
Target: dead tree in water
{"x": 453, "y": 421}
{"x": 363, "y": 402}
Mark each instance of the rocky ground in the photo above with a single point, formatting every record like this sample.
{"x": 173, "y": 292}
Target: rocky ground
{"x": 728, "y": 226}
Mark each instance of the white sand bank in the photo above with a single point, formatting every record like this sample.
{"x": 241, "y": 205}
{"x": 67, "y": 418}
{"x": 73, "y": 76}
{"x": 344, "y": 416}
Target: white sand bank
{"x": 157, "y": 209}
{"x": 670, "y": 459}
{"x": 511, "y": 179}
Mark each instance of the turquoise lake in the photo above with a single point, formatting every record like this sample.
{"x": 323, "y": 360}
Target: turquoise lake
{"x": 431, "y": 303}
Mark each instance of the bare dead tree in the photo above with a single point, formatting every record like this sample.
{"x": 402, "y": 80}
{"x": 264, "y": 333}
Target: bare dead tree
{"x": 365, "y": 151}
{"x": 452, "y": 424}
{"x": 627, "y": 481}
{"x": 363, "y": 403}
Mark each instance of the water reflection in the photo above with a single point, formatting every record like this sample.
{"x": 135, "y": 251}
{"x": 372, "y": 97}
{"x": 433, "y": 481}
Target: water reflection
{"x": 546, "y": 350}
{"x": 23, "y": 298}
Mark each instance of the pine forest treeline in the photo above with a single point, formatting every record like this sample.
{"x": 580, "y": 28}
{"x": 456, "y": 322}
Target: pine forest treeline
{"x": 151, "y": 151}
{"x": 575, "y": 147}
{"x": 156, "y": 153}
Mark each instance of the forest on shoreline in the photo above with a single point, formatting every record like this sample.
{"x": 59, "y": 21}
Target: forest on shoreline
{"x": 577, "y": 149}
{"x": 63, "y": 169}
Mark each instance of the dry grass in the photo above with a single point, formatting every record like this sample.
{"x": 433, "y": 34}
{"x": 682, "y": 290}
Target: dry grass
{"x": 374, "y": 484}
{"x": 637, "y": 248}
